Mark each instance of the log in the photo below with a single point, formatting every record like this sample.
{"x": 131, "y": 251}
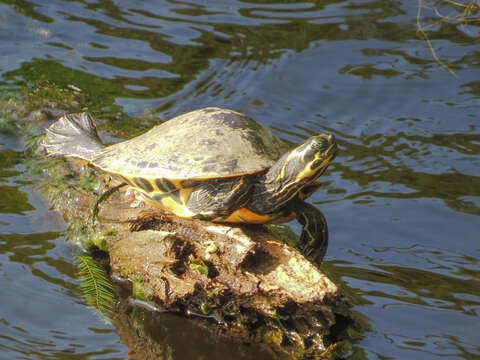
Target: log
{"x": 244, "y": 277}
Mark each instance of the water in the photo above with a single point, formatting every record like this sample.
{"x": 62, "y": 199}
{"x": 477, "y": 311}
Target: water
{"x": 402, "y": 199}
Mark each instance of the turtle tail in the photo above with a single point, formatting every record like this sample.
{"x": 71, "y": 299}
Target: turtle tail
{"x": 74, "y": 136}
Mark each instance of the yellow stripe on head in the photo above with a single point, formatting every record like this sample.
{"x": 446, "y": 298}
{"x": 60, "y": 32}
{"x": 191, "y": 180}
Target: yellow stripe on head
{"x": 302, "y": 166}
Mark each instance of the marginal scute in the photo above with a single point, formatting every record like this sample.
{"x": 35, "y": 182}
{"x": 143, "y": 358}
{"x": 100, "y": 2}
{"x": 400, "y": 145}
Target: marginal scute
{"x": 143, "y": 184}
{"x": 202, "y": 144}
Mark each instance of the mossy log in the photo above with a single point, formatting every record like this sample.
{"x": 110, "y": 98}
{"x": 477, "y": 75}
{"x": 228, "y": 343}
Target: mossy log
{"x": 242, "y": 276}
{"x": 256, "y": 288}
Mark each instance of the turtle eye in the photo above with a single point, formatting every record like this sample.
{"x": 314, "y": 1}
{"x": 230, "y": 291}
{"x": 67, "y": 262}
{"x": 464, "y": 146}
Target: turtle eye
{"x": 322, "y": 142}
{"x": 319, "y": 144}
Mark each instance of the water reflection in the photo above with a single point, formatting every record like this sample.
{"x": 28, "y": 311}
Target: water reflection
{"x": 418, "y": 286}
{"x": 151, "y": 335}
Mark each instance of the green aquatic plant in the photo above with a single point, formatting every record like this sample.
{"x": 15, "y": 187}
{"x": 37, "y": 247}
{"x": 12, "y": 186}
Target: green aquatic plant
{"x": 88, "y": 181}
{"x": 95, "y": 207}
{"x": 283, "y": 232}
{"x": 96, "y": 287}
{"x": 287, "y": 334}
{"x": 199, "y": 265}
{"x": 205, "y": 308}
{"x": 138, "y": 291}
{"x": 98, "y": 239}
{"x": 8, "y": 126}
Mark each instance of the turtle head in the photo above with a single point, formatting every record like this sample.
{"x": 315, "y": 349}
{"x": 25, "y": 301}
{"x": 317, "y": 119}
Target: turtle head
{"x": 314, "y": 156}
{"x": 296, "y": 171}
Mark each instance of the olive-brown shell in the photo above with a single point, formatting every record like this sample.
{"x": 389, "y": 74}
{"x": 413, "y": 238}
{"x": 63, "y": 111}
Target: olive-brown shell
{"x": 202, "y": 144}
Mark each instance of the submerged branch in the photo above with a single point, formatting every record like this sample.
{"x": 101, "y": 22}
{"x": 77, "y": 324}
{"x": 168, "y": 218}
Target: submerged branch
{"x": 421, "y": 31}
{"x": 467, "y": 9}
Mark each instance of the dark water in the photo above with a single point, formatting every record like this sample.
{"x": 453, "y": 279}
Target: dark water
{"x": 402, "y": 199}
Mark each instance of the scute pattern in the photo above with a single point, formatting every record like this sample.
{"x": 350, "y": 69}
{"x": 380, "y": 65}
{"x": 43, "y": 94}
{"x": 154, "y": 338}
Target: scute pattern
{"x": 202, "y": 144}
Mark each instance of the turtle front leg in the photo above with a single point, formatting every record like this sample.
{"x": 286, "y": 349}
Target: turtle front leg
{"x": 314, "y": 238}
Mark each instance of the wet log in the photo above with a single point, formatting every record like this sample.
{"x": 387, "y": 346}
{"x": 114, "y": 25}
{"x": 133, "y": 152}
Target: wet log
{"x": 256, "y": 288}
{"x": 241, "y": 276}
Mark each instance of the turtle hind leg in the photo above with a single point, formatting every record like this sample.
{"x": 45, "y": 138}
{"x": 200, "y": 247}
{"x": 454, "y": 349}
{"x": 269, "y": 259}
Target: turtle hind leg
{"x": 314, "y": 238}
{"x": 74, "y": 136}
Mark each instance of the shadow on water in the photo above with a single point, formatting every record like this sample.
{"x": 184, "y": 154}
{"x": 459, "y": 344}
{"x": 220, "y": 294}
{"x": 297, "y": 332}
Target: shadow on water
{"x": 402, "y": 198}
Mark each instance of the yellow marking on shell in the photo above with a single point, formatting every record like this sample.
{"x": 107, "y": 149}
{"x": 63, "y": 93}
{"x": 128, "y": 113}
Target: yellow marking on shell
{"x": 166, "y": 203}
{"x": 185, "y": 195}
{"x": 156, "y": 188}
{"x": 150, "y": 181}
{"x": 178, "y": 209}
{"x": 130, "y": 181}
{"x": 177, "y": 183}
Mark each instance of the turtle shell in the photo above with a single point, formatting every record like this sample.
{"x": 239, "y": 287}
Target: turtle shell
{"x": 202, "y": 144}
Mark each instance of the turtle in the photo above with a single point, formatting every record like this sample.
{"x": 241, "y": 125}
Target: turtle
{"x": 211, "y": 164}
